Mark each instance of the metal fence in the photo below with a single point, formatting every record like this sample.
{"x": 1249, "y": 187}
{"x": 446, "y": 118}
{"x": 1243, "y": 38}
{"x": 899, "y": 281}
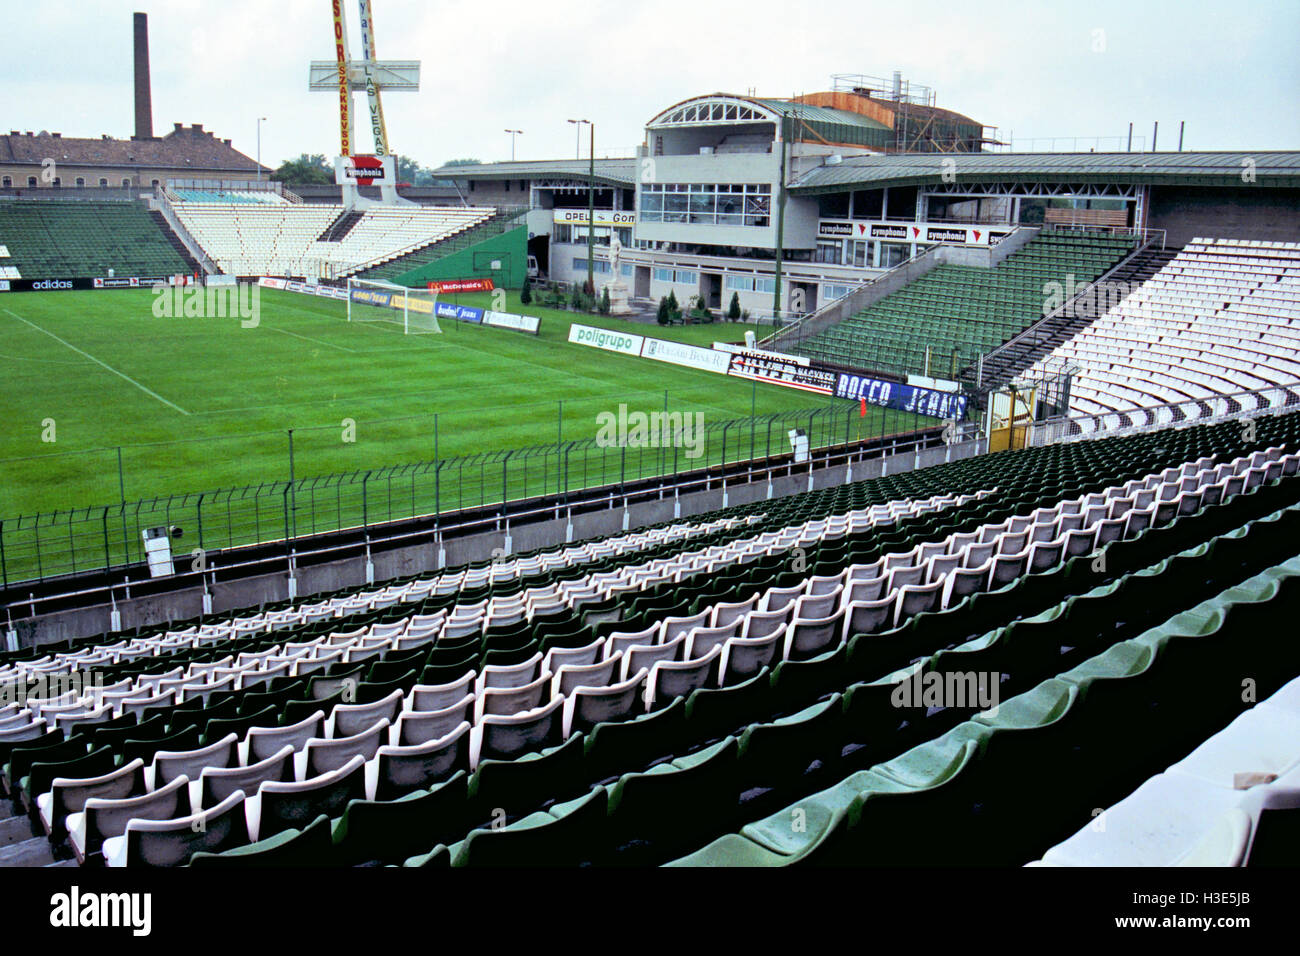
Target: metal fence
{"x": 48, "y": 544}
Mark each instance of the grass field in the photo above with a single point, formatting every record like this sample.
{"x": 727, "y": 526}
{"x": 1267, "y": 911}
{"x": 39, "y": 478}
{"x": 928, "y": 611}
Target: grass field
{"x": 200, "y": 404}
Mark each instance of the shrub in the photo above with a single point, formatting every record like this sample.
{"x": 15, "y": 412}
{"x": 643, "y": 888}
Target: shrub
{"x": 604, "y": 302}
{"x": 662, "y": 317}
{"x": 733, "y": 311}
{"x": 526, "y": 295}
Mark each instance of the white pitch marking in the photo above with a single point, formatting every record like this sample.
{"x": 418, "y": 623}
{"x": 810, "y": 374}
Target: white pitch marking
{"x": 102, "y": 365}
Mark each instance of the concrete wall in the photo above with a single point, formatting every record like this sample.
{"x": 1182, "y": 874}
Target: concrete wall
{"x": 1248, "y": 212}
{"x": 431, "y": 554}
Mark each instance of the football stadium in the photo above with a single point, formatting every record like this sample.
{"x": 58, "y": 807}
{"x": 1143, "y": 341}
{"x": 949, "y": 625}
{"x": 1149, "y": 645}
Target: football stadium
{"x": 826, "y": 482}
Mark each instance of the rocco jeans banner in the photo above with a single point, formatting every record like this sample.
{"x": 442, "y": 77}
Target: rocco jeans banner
{"x": 904, "y": 398}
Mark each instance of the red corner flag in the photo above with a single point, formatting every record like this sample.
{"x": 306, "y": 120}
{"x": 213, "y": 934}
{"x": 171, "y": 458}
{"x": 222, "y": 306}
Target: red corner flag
{"x": 862, "y": 412}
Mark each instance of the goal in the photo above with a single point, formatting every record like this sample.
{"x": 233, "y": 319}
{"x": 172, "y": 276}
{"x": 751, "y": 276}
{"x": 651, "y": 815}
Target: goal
{"x": 370, "y": 300}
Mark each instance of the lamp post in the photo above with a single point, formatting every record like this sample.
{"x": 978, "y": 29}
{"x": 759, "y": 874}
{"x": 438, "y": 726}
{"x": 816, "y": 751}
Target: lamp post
{"x": 513, "y": 133}
{"x": 591, "y": 214}
{"x": 260, "y": 121}
{"x": 577, "y": 133}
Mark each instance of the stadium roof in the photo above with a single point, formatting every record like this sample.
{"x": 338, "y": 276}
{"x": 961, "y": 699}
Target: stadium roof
{"x": 185, "y": 147}
{"x": 610, "y": 172}
{"x": 832, "y": 125}
{"x": 1184, "y": 169}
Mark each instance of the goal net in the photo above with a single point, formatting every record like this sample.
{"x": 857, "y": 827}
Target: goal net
{"x": 370, "y": 300}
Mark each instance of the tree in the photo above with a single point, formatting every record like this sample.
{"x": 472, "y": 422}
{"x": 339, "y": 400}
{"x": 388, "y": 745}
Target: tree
{"x": 306, "y": 170}
{"x": 663, "y": 314}
{"x": 526, "y": 295}
{"x": 604, "y": 301}
{"x": 672, "y": 301}
{"x": 463, "y": 162}
{"x": 733, "y": 311}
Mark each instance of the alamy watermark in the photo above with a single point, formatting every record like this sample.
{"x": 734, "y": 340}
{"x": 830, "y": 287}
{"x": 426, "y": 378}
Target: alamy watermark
{"x": 242, "y": 300}
{"x": 949, "y": 689}
{"x": 651, "y": 430}
{"x": 51, "y": 686}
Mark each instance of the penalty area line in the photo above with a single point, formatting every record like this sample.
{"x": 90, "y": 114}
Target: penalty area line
{"x": 104, "y": 365}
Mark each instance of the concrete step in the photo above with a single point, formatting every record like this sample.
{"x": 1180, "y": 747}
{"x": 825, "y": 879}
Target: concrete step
{"x": 33, "y": 852}
{"x": 15, "y": 830}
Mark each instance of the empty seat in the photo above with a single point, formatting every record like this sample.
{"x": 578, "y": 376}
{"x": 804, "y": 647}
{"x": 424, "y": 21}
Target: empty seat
{"x": 173, "y": 842}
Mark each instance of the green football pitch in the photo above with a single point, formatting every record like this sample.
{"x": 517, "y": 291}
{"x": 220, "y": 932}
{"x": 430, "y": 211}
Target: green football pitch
{"x": 199, "y": 404}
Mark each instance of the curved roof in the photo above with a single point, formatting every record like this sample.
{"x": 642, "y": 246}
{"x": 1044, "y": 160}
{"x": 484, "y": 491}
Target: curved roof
{"x": 812, "y": 124}
{"x": 1191, "y": 169}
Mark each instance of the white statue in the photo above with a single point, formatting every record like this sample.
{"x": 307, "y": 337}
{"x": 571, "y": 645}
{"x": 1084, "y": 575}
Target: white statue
{"x": 615, "y": 255}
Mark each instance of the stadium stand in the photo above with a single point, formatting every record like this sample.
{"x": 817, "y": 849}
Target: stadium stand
{"x": 1006, "y": 362}
{"x": 964, "y": 308}
{"x": 289, "y": 239}
{"x": 1222, "y": 317}
{"x": 580, "y": 689}
{"x": 86, "y": 238}
{"x": 501, "y": 221}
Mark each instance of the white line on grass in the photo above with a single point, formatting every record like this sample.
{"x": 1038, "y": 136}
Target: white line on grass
{"x": 102, "y": 365}
{"x": 307, "y": 338}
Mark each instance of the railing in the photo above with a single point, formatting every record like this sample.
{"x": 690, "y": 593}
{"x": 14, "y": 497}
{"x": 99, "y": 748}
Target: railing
{"x": 76, "y": 193}
{"x": 1275, "y": 400}
{"x": 49, "y": 544}
{"x": 163, "y": 202}
{"x": 1033, "y": 335}
{"x": 795, "y": 328}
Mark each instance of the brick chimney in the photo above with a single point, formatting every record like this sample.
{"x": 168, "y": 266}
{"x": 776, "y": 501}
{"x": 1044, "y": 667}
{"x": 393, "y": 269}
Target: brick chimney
{"x": 143, "y": 97}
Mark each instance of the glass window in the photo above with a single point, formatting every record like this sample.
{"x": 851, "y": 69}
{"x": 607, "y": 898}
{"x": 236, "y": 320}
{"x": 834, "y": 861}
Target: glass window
{"x": 893, "y": 253}
{"x": 562, "y": 232}
{"x": 103, "y": 182}
{"x": 862, "y": 254}
{"x": 31, "y": 181}
{"x": 6, "y": 182}
{"x": 829, "y": 253}
{"x": 663, "y": 275}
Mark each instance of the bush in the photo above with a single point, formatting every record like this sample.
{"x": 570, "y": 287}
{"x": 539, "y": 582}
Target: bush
{"x": 672, "y": 302}
{"x": 526, "y": 295}
{"x": 733, "y": 311}
{"x": 662, "y": 317}
{"x": 604, "y": 302}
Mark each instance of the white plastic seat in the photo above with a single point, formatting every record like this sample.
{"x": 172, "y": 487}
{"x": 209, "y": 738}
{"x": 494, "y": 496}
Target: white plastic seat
{"x": 426, "y": 698}
{"x": 585, "y": 707}
{"x": 512, "y": 700}
{"x": 669, "y": 680}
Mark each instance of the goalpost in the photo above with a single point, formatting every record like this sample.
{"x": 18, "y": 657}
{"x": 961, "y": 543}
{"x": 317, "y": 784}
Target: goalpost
{"x": 372, "y": 300}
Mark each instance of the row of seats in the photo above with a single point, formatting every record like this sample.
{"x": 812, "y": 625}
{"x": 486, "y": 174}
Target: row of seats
{"x": 1023, "y": 470}
{"x": 76, "y": 238}
{"x": 1220, "y": 318}
{"x": 284, "y": 239}
{"x": 964, "y": 308}
{"x": 1000, "y": 783}
{"x": 227, "y": 744}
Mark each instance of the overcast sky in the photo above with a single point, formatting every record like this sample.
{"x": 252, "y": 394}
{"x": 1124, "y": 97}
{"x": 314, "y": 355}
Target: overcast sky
{"x": 1032, "y": 69}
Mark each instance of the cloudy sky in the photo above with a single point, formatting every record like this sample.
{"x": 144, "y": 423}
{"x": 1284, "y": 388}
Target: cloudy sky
{"x": 1031, "y": 69}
